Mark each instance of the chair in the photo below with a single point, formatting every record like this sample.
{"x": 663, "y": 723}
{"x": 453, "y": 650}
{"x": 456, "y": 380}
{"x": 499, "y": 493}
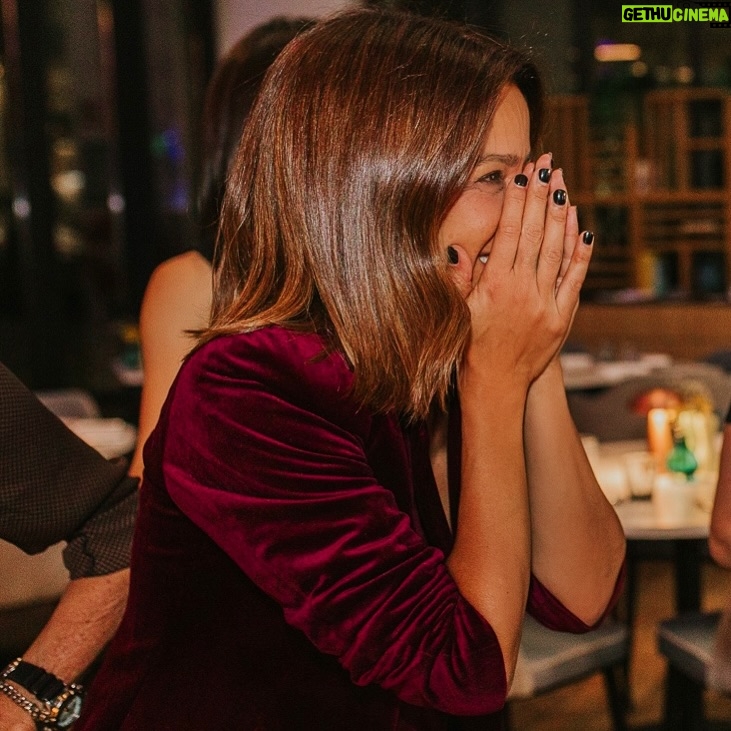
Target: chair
{"x": 548, "y": 659}
{"x": 608, "y": 414}
{"x": 687, "y": 641}
{"x": 721, "y": 358}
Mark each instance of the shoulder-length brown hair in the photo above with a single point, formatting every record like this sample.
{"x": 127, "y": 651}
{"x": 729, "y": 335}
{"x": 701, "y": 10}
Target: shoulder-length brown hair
{"x": 365, "y": 131}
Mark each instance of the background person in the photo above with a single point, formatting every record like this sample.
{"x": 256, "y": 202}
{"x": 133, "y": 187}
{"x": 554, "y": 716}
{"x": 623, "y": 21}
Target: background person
{"x": 177, "y": 299}
{"x": 54, "y": 487}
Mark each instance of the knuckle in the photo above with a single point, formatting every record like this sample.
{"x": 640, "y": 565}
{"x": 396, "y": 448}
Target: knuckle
{"x": 510, "y": 228}
{"x": 533, "y": 232}
{"x": 540, "y": 193}
{"x": 575, "y": 284}
{"x": 557, "y": 213}
{"x": 552, "y": 255}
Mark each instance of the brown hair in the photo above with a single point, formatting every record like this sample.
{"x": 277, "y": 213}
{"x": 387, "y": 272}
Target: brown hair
{"x": 365, "y": 131}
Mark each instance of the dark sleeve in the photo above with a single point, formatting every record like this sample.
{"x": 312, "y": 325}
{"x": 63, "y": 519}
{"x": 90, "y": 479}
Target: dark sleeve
{"x": 54, "y": 487}
{"x": 286, "y": 490}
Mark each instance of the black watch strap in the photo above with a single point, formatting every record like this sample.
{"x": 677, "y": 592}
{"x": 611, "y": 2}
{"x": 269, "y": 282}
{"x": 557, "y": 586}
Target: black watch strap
{"x": 44, "y": 685}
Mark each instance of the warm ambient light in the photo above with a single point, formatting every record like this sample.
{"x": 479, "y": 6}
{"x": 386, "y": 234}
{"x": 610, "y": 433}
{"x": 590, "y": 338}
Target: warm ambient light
{"x": 660, "y": 436}
{"x": 617, "y": 52}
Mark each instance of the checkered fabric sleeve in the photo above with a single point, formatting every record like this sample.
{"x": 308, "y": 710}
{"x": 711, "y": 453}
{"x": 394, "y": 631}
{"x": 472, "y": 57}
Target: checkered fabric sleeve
{"x": 54, "y": 487}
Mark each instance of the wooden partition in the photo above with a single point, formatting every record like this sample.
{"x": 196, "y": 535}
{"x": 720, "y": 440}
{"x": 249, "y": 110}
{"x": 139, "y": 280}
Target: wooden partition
{"x": 686, "y": 331}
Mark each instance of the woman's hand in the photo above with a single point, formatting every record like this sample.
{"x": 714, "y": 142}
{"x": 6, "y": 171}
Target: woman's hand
{"x": 524, "y": 298}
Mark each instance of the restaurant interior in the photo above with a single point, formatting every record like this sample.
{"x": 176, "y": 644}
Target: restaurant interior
{"x": 100, "y": 104}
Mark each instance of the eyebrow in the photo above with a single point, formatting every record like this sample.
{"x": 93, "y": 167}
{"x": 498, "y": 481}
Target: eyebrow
{"x": 507, "y": 160}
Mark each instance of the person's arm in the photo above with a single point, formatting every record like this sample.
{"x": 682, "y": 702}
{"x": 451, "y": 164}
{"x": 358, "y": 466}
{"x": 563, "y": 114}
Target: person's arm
{"x": 55, "y": 487}
{"x": 177, "y": 299}
{"x": 578, "y": 545}
{"x": 84, "y": 621}
{"x": 310, "y": 511}
{"x": 719, "y": 540}
{"x": 520, "y": 317}
{"x": 569, "y": 512}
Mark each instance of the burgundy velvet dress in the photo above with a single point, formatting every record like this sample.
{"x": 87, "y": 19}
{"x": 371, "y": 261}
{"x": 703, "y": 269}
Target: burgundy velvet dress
{"x": 288, "y": 564}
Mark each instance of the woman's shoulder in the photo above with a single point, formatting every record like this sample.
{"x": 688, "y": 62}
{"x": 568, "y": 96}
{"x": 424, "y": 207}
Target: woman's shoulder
{"x": 180, "y": 287}
{"x": 298, "y": 365}
{"x": 186, "y": 268}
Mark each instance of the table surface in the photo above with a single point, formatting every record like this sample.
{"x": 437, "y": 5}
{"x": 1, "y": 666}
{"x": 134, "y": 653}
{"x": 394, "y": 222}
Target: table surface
{"x": 110, "y": 437}
{"x": 638, "y": 516}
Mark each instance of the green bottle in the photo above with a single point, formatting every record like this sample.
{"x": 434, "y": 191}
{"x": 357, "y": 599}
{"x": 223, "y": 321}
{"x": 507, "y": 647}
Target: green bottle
{"x": 681, "y": 459}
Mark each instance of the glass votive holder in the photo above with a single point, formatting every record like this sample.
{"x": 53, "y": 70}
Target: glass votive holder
{"x": 641, "y": 469}
{"x": 673, "y": 500}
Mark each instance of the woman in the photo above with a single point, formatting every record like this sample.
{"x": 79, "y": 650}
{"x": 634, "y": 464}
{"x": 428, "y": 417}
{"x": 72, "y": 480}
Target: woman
{"x": 177, "y": 298}
{"x": 367, "y": 470}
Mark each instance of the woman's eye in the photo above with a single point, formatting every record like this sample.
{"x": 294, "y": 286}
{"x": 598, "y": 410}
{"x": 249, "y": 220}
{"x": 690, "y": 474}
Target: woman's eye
{"x": 495, "y": 177}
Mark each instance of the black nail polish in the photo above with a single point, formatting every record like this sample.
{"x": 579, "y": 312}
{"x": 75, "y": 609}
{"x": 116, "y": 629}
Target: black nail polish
{"x": 520, "y": 180}
{"x": 544, "y": 175}
{"x": 588, "y": 237}
{"x": 559, "y": 197}
{"x": 452, "y": 254}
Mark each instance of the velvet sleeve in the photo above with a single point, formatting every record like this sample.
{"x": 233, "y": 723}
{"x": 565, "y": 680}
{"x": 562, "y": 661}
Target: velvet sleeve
{"x": 271, "y": 464}
{"x": 549, "y": 611}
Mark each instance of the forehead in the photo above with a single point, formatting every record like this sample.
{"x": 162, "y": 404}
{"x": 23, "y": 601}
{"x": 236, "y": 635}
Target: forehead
{"x": 509, "y": 133}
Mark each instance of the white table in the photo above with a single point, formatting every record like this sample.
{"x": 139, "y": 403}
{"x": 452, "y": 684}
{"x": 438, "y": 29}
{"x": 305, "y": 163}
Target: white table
{"x": 688, "y": 544}
{"x": 110, "y": 437}
{"x": 640, "y": 523}
{"x": 687, "y": 540}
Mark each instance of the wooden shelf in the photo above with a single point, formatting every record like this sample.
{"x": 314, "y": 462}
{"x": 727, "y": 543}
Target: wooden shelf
{"x": 660, "y": 193}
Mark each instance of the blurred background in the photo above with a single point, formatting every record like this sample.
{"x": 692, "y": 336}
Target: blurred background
{"x": 99, "y": 116}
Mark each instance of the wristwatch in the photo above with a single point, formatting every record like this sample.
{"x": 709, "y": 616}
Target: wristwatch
{"x": 61, "y": 702}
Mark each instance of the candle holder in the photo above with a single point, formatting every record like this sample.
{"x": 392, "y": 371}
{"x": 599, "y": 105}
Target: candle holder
{"x": 660, "y": 436}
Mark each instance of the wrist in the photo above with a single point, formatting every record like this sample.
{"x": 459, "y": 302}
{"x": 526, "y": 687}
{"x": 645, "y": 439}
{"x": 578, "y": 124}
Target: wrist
{"x": 480, "y": 380}
{"x": 550, "y": 378}
{"x": 48, "y": 700}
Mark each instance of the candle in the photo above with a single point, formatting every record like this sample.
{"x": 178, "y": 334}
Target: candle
{"x": 659, "y": 436}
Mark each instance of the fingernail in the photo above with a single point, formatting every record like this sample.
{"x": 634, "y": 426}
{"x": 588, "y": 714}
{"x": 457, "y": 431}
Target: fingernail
{"x": 520, "y": 180}
{"x": 544, "y": 175}
{"x": 452, "y": 254}
{"x": 559, "y": 197}
{"x": 588, "y": 237}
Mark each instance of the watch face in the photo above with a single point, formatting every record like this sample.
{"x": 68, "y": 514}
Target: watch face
{"x": 69, "y": 711}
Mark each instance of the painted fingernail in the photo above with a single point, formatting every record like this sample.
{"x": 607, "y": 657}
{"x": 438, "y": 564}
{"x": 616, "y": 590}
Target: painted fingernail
{"x": 520, "y": 180}
{"x": 544, "y": 175}
{"x": 588, "y": 237}
{"x": 452, "y": 254}
{"x": 559, "y": 197}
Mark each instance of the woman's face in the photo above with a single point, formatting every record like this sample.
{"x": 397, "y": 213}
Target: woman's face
{"x": 472, "y": 221}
